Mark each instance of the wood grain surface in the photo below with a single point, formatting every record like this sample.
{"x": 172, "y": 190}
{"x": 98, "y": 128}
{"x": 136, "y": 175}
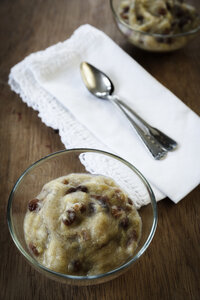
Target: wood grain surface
{"x": 170, "y": 269}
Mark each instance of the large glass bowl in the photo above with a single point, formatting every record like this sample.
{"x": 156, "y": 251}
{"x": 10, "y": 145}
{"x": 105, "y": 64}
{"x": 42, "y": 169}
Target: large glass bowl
{"x": 153, "y": 41}
{"x": 63, "y": 163}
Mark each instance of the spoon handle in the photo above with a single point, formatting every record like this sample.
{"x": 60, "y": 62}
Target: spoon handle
{"x": 150, "y": 142}
{"x": 167, "y": 142}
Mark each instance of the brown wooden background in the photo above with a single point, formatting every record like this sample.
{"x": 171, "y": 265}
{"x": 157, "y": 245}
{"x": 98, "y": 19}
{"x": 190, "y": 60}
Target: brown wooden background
{"x": 170, "y": 269}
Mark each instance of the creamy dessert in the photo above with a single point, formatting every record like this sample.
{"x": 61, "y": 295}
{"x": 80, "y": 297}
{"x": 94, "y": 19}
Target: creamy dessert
{"x": 82, "y": 224}
{"x": 165, "y": 17}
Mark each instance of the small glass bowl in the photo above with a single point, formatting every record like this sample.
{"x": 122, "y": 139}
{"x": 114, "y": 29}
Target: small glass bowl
{"x": 152, "y": 41}
{"x": 63, "y": 163}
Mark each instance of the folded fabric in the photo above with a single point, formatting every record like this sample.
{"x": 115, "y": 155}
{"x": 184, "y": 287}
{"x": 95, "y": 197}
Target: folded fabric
{"x": 50, "y": 82}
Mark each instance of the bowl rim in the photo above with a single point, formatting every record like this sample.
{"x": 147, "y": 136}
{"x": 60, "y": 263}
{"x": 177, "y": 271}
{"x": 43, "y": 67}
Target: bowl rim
{"x": 156, "y": 35}
{"x": 91, "y": 277}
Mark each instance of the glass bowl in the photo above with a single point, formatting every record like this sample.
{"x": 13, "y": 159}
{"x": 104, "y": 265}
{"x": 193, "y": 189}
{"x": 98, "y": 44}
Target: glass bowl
{"x": 153, "y": 41}
{"x": 92, "y": 161}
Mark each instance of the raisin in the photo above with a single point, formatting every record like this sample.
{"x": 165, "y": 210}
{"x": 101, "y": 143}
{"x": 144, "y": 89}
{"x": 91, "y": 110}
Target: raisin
{"x": 140, "y": 18}
{"x": 130, "y": 201}
{"x": 70, "y": 217}
{"x": 71, "y": 190}
{"x": 103, "y": 245}
{"x": 65, "y": 181}
{"x": 91, "y": 208}
{"x": 74, "y": 265}
{"x": 116, "y": 211}
{"x": 126, "y": 9}
{"x": 33, "y": 249}
{"x": 124, "y": 16}
{"x": 99, "y": 197}
{"x": 162, "y": 11}
{"x": 133, "y": 237}
{"x": 82, "y": 188}
{"x": 124, "y": 223}
{"x": 33, "y": 204}
{"x": 82, "y": 208}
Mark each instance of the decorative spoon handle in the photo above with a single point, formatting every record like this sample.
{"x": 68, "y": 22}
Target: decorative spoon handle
{"x": 150, "y": 142}
{"x": 167, "y": 142}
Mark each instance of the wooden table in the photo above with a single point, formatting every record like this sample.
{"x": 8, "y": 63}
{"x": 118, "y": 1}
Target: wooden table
{"x": 170, "y": 269}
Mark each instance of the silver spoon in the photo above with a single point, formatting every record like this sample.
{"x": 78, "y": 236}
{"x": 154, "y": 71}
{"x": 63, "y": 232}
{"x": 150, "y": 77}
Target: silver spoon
{"x": 104, "y": 89}
{"x": 101, "y": 86}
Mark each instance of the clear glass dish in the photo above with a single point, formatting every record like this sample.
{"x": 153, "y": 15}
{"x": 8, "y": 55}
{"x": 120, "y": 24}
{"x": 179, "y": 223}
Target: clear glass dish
{"x": 152, "y": 41}
{"x": 63, "y": 163}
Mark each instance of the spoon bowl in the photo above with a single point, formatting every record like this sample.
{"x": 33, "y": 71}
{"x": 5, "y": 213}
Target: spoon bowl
{"x": 96, "y": 81}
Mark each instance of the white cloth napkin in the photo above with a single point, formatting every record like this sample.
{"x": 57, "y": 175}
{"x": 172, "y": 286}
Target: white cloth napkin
{"x": 50, "y": 82}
